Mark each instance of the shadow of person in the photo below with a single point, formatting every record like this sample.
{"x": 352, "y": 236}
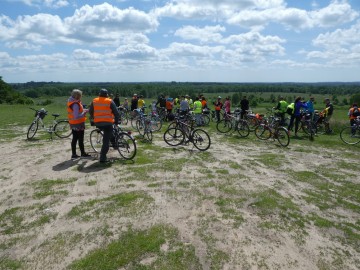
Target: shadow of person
{"x": 65, "y": 165}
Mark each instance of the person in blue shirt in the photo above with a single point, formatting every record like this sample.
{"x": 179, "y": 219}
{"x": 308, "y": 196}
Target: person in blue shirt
{"x": 298, "y": 104}
{"x": 310, "y": 107}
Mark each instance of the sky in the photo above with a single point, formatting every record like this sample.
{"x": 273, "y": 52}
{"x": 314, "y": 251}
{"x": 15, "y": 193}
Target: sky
{"x": 180, "y": 40}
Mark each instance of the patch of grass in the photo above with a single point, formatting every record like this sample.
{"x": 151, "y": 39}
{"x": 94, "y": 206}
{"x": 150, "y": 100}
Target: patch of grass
{"x": 124, "y": 203}
{"x": 270, "y": 159}
{"x": 229, "y": 207}
{"x": 91, "y": 182}
{"x": 135, "y": 246}
{"x": 10, "y": 264}
{"x": 47, "y": 187}
{"x": 14, "y": 220}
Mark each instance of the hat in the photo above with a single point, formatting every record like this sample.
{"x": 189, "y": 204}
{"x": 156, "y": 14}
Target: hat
{"x": 135, "y": 94}
{"x": 219, "y": 97}
{"x": 103, "y": 93}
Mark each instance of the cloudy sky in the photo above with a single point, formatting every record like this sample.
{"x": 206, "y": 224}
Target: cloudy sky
{"x": 180, "y": 40}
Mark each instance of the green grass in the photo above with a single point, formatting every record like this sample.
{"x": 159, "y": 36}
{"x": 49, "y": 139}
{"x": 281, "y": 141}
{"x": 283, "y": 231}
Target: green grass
{"x": 134, "y": 246}
{"x": 49, "y": 187}
{"x": 130, "y": 203}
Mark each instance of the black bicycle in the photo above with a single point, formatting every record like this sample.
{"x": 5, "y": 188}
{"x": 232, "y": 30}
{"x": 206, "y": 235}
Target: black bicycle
{"x": 123, "y": 142}
{"x": 182, "y": 132}
{"x": 351, "y": 134}
{"x": 61, "y": 128}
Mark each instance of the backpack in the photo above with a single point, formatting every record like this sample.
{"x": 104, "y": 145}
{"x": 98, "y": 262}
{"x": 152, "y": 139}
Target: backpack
{"x": 290, "y": 109}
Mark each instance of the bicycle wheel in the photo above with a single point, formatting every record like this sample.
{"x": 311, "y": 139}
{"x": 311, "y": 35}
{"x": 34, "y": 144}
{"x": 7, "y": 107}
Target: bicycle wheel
{"x": 133, "y": 121}
{"x": 156, "y": 123}
{"x": 96, "y": 140}
{"x": 206, "y": 119}
{"x": 126, "y": 145}
{"x": 140, "y": 126}
{"x": 200, "y": 139}
{"x": 174, "y": 136}
{"x": 281, "y": 134}
{"x": 148, "y": 135}
{"x": 62, "y": 129}
{"x": 262, "y": 132}
{"x": 350, "y": 135}
{"x": 242, "y": 128}
{"x": 224, "y": 126}
{"x": 124, "y": 118}
{"x": 32, "y": 129}
{"x": 252, "y": 123}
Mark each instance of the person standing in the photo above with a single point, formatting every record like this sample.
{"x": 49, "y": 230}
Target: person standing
{"x": 184, "y": 106}
{"x": 244, "y": 106}
{"x": 117, "y": 100}
{"x": 353, "y": 113}
{"x": 227, "y": 105}
{"x": 218, "y": 106}
{"x": 298, "y": 104}
{"x": 198, "y": 111}
{"x": 310, "y": 107}
{"x": 134, "y": 102}
{"x": 104, "y": 112}
{"x": 281, "y": 109}
{"x": 76, "y": 116}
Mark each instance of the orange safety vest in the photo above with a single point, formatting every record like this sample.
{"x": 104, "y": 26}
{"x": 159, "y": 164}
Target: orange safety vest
{"x": 169, "y": 105}
{"x": 352, "y": 116}
{"x": 102, "y": 110}
{"x": 70, "y": 112}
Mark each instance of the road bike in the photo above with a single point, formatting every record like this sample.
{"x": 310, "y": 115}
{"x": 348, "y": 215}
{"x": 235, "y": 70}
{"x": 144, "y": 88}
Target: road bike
{"x": 183, "y": 133}
{"x": 272, "y": 129}
{"x": 122, "y": 141}
{"x": 61, "y": 128}
{"x": 351, "y": 134}
{"x": 233, "y": 122}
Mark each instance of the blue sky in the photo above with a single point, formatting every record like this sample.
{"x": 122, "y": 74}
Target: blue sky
{"x": 182, "y": 40}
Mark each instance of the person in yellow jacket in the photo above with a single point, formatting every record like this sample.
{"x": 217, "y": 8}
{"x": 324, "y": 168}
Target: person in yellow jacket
{"x": 198, "y": 111}
{"x": 104, "y": 113}
{"x": 76, "y": 117}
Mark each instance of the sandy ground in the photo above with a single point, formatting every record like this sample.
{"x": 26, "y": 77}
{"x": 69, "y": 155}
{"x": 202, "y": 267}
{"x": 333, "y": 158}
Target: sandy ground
{"x": 186, "y": 199}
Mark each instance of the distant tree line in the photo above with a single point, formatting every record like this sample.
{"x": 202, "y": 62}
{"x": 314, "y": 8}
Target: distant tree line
{"x": 9, "y": 96}
{"x": 173, "y": 89}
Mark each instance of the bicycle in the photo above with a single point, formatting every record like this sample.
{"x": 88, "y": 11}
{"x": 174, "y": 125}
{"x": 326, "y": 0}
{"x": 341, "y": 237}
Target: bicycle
{"x": 272, "y": 129}
{"x": 144, "y": 125}
{"x": 252, "y": 120}
{"x": 123, "y": 142}
{"x": 61, "y": 128}
{"x": 213, "y": 117}
{"x": 175, "y": 135}
{"x": 308, "y": 125}
{"x": 123, "y": 112}
{"x": 322, "y": 124}
{"x": 351, "y": 134}
{"x": 230, "y": 122}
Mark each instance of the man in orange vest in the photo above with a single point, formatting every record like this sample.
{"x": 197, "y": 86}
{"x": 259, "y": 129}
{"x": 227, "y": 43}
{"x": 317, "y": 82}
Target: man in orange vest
{"x": 104, "y": 113}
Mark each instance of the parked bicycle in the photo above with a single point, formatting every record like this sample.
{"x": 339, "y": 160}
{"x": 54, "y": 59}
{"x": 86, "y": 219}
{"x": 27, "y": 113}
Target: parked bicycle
{"x": 124, "y": 115}
{"x": 61, "y": 128}
{"x": 272, "y": 129}
{"x": 122, "y": 141}
{"x": 253, "y": 120}
{"x": 351, "y": 134}
{"x": 233, "y": 122}
{"x": 308, "y": 125}
{"x": 181, "y": 133}
{"x": 322, "y": 124}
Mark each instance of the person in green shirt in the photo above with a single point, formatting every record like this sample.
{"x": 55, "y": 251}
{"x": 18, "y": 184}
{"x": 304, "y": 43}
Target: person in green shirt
{"x": 198, "y": 111}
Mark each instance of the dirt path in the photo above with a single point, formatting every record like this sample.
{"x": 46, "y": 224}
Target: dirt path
{"x": 246, "y": 199}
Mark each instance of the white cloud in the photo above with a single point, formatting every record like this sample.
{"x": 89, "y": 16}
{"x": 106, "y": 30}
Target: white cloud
{"x": 47, "y": 3}
{"x": 100, "y": 25}
{"x": 204, "y": 35}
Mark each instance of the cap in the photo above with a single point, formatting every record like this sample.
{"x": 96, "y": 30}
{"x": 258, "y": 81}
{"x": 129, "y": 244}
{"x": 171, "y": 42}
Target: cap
{"x": 135, "y": 94}
{"x": 103, "y": 93}
{"x": 219, "y": 97}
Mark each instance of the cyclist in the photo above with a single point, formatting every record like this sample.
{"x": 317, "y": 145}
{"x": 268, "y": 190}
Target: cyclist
{"x": 141, "y": 103}
{"x": 134, "y": 102}
{"x": 281, "y": 109}
{"x": 198, "y": 111}
{"x": 218, "y": 106}
{"x": 104, "y": 113}
{"x": 328, "y": 112}
{"x": 298, "y": 104}
{"x": 244, "y": 106}
{"x": 76, "y": 116}
{"x": 310, "y": 107}
{"x": 117, "y": 100}
{"x": 126, "y": 104}
{"x": 184, "y": 106}
{"x": 227, "y": 105}
{"x": 353, "y": 113}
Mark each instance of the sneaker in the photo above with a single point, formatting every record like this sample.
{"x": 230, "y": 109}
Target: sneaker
{"x": 74, "y": 156}
{"x": 85, "y": 155}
